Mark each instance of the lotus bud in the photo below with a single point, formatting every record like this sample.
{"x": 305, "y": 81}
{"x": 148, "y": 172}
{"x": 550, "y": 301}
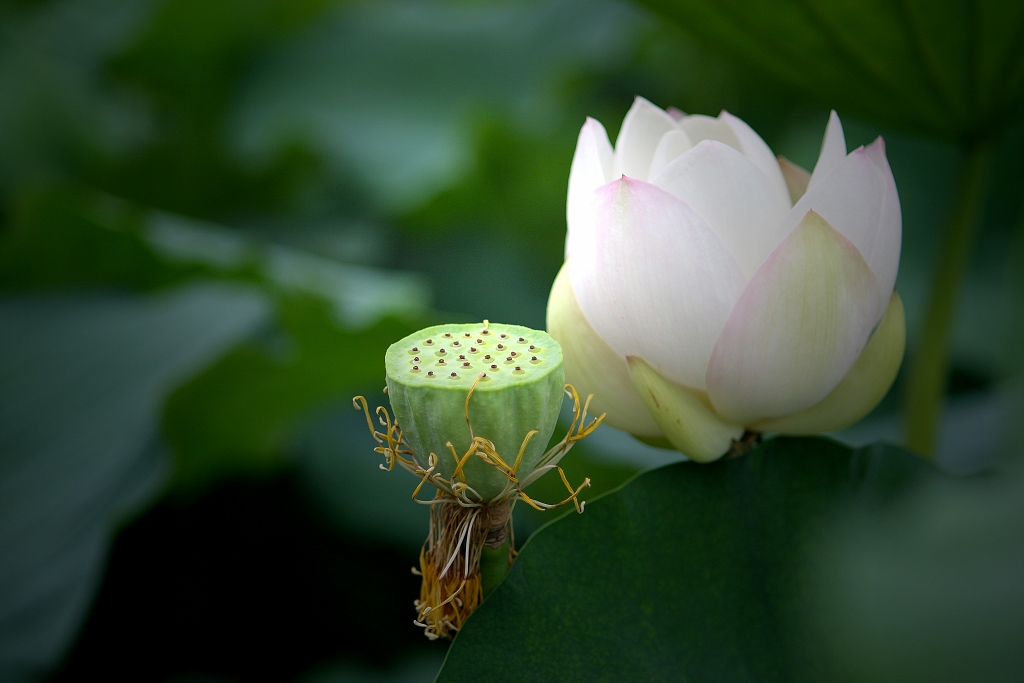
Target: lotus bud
{"x": 712, "y": 291}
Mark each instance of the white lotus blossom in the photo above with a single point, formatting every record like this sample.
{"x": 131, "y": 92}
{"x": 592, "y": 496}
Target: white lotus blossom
{"x": 710, "y": 288}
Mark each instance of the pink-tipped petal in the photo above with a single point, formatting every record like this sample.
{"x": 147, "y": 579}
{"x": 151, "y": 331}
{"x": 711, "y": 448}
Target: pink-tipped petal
{"x": 796, "y": 179}
{"x": 758, "y": 151}
{"x": 833, "y": 149}
{"x": 672, "y": 145}
{"x": 861, "y": 389}
{"x": 592, "y": 367}
{"x": 858, "y": 198}
{"x": 639, "y": 136}
{"x": 734, "y": 196}
{"x": 797, "y": 329}
{"x": 591, "y": 168}
{"x": 656, "y": 281}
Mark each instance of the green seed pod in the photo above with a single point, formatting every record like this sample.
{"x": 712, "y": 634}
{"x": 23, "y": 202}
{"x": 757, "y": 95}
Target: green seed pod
{"x": 517, "y": 384}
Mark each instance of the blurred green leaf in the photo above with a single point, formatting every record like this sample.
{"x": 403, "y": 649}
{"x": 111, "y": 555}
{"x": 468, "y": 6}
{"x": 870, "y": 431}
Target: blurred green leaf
{"x": 60, "y": 236}
{"x": 187, "y": 64}
{"x": 394, "y": 87}
{"x": 83, "y": 376}
{"x": 929, "y": 590}
{"x": 191, "y": 45}
{"x": 688, "y": 572}
{"x": 516, "y": 192}
{"x": 952, "y": 68}
{"x": 237, "y": 414}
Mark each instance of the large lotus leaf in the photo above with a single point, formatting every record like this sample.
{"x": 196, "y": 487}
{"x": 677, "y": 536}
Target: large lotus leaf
{"x": 952, "y": 67}
{"x": 84, "y": 374}
{"x": 688, "y": 572}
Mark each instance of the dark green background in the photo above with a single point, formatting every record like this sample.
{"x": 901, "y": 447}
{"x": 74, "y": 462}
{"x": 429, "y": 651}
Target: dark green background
{"x": 216, "y": 215}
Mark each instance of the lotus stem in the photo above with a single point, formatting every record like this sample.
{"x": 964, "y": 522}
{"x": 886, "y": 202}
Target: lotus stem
{"x": 929, "y": 365}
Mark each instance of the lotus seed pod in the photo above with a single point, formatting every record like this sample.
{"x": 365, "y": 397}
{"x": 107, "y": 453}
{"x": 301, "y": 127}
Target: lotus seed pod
{"x": 517, "y": 383}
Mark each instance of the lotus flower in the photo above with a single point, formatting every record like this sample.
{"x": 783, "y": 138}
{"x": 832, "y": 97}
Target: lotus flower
{"x": 711, "y": 289}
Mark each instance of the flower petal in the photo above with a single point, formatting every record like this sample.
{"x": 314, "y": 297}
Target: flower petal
{"x": 796, "y": 179}
{"x": 735, "y": 197}
{"x": 656, "y": 281}
{"x": 672, "y": 145}
{"x": 881, "y": 248}
{"x": 798, "y": 328}
{"x": 638, "y": 138}
{"x": 861, "y": 389}
{"x": 591, "y": 168}
{"x": 859, "y": 199}
{"x": 593, "y": 367}
{"x": 833, "y": 149}
{"x": 758, "y": 151}
{"x": 688, "y": 422}
{"x": 700, "y": 127}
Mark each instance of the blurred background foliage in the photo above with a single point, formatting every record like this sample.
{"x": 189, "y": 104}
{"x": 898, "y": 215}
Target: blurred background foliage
{"x": 215, "y": 216}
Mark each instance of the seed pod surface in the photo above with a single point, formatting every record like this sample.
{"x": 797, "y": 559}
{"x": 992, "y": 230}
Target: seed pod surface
{"x": 520, "y": 389}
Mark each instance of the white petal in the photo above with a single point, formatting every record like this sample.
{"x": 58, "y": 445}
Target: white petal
{"x": 672, "y": 145}
{"x": 732, "y": 194}
{"x": 638, "y": 138}
{"x": 861, "y": 389}
{"x": 656, "y": 281}
{"x": 688, "y": 423}
{"x": 700, "y": 127}
{"x": 593, "y": 367}
{"x": 881, "y": 248}
{"x": 758, "y": 151}
{"x": 798, "y": 328}
{"x": 833, "y": 149}
{"x": 858, "y": 198}
{"x": 591, "y": 168}
{"x": 796, "y": 179}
